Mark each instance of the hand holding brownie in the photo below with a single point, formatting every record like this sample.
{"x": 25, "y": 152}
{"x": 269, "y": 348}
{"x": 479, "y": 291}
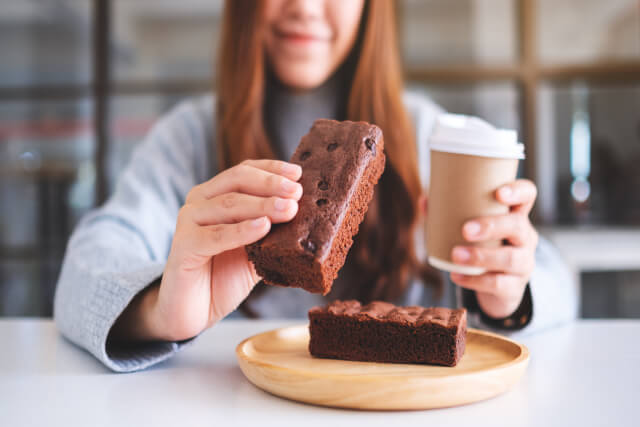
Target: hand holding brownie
{"x": 207, "y": 274}
{"x": 500, "y": 290}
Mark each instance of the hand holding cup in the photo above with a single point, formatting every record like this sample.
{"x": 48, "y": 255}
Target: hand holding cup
{"x": 478, "y": 224}
{"x": 508, "y": 267}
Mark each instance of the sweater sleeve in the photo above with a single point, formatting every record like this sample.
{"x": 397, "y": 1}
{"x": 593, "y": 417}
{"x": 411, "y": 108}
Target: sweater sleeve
{"x": 120, "y": 248}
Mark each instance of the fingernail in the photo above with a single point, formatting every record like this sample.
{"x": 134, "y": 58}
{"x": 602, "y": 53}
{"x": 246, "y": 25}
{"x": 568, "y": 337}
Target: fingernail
{"x": 472, "y": 228}
{"x": 281, "y": 204}
{"x": 291, "y": 169}
{"x": 423, "y": 204}
{"x": 258, "y": 222}
{"x": 461, "y": 255}
{"x": 506, "y": 193}
{"x": 288, "y": 186}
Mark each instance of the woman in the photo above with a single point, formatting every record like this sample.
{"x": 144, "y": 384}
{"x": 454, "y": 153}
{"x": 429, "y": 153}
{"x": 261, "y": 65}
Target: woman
{"x": 164, "y": 258}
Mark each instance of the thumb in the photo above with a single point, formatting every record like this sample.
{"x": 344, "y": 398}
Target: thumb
{"x": 423, "y": 204}
{"x": 232, "y": 279}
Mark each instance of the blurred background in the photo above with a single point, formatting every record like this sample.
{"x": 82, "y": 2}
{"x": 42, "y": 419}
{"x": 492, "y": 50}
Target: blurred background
{"x": 81, "y": 81}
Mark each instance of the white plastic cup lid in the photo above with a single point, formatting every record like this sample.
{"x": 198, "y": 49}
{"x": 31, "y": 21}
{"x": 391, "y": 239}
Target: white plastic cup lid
{"x": 460, "y": 134}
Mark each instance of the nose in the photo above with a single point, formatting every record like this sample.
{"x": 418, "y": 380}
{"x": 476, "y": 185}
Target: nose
{"x": 304, "y": 9}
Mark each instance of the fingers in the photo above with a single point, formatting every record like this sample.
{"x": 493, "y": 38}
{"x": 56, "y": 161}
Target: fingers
{"x": 509, "y": 266}
{"x": 514, "y": 227}
{"x": 248, "y": 179}
{"x": 520, "y": 195}
{"x": 278, "y": 167}
{"x": 423, "y": 204}
{"x": 236, "y": 207}
{"x": 505, "y": 286}
{"x": 507, "y": 259}
{"x": 234, "y": 277}
{"x": 214, "y": 239}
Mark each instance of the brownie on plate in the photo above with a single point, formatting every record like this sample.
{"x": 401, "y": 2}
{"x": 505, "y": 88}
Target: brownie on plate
{"x": 341, "y": 163}
{"x": 383, "y": 332}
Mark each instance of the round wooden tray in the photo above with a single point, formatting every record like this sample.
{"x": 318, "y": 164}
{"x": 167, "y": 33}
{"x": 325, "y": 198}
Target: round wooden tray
{"x": 279, "y": 362}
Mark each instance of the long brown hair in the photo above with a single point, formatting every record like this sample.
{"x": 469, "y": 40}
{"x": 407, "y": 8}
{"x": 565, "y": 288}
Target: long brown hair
{"x": 383, "y": 251}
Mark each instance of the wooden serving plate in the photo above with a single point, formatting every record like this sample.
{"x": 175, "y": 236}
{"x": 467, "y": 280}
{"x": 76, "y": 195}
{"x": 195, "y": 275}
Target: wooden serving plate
{"x": 279, "y": 362}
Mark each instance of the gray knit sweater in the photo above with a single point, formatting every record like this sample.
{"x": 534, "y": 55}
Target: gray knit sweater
{"x": 120, "y": 248}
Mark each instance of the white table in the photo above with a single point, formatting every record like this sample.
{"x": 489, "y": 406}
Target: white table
{"x": 586, "y": 374}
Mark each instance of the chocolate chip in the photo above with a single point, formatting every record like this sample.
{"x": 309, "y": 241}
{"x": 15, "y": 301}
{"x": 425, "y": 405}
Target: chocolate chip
{"x": 305, "y": 155}
{"x": 323, "y": 185}
{"x": 309, "y": 246}
{"x": 321, "y": 202}
{"x": 371, "y": 144}
{"x": 332, "y": 146}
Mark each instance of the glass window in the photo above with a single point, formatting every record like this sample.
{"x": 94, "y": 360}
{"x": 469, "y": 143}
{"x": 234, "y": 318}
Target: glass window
{"x": 611, "y": 294}
{"x": 446, "y": 32}
{"x": 21, "y": 293}
{"x": 588, "y": 30}
{"x": 19, "y": 211}
{"x": 45, "y": 42}
{"x": 164, "y": 40}
{"x": 589, "y": 153}
{"x": 47, "y": 179}
{"x": 49, "y": 145}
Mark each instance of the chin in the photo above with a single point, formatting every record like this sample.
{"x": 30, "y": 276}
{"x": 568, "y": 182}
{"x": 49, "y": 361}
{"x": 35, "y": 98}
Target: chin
{"x": 302, "y": 76}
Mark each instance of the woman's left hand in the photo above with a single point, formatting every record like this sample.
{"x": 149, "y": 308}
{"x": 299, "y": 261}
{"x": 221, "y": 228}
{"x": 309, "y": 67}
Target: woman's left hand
{"x": 509, "y": 267}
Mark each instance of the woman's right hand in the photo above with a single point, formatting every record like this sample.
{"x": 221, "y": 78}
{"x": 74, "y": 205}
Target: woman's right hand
{"x": 207, "y": 274}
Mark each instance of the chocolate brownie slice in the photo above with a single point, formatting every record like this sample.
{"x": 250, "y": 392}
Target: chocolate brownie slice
{"x": 382, "y": 332}
{"x": 341, "y": 163}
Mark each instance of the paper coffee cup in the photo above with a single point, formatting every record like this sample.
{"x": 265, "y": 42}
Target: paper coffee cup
{"x": 470, "y": 160}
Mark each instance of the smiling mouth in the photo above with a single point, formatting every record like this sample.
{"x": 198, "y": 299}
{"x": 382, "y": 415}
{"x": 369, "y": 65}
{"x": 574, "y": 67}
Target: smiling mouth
{"x": 298, "y": 37}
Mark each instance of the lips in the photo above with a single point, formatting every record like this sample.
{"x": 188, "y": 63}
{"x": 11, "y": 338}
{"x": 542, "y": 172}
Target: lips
{"x": 296, "y": 33}
{"x": 299, "y": 37}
